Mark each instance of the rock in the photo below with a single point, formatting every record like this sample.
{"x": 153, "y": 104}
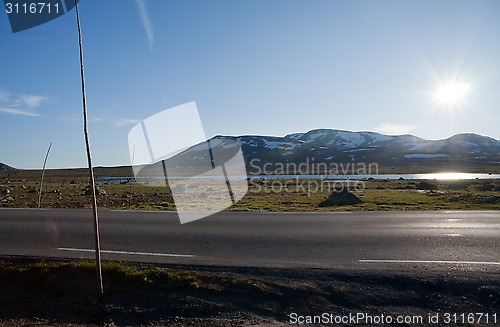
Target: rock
{"x": 489, "y": 199}
{"x": 426, "y": 186}
{"x": 4, "y": 190}
{"x": 487, "y": 187}
{"x": 341, "y": 197}
{"x": 179, "y": 189}
{"x": 8, "y": 199}
{"x": 98, "y": 191}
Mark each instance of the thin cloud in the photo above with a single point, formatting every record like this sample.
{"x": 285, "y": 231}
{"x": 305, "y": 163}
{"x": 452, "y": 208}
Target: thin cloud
{"x": 126, "y": 121}
{"x": 394, "y": 129}
{"x": 146, "y": 22}
{"x": 32, "y": 101}
{"x": 18, "y": 112}
{"x": 20, "y": 104}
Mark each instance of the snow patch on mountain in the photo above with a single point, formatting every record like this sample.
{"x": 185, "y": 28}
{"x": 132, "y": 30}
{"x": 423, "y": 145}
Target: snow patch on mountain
{"x": 295, "y": 136}
{"x": 276, "y": 144}
{"x": 314, "y": 135}
{"x": 374, "y": 138}
{"x": 352, "y": 140}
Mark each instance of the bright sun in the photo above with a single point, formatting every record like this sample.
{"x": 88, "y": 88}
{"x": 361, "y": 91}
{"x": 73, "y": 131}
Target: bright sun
{"x": 452, "y": 93}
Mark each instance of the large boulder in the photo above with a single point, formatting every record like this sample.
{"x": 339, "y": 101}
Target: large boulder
{"x": 341, "y": 197}
{"x": 98, "y": 191}
{"x": 488, "y": 199}
{"x": 487, "y": 187}
{"x": 427, "y": 186}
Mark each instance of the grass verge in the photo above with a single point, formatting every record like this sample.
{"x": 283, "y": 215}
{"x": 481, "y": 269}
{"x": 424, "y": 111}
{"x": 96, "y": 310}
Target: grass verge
{"x": 67, "y": 191}
{"x": 57, "y": 293}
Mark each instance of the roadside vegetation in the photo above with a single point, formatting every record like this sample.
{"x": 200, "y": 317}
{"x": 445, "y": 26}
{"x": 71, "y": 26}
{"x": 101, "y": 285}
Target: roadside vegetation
{"x": 62, "y": 293}
{"x": 67, "y": 188}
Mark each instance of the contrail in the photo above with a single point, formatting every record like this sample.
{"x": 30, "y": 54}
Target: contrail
{"x": 146, "y": 22}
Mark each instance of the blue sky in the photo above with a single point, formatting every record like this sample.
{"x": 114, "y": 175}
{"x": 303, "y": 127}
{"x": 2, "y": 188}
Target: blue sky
{"x": 253, "y": 67}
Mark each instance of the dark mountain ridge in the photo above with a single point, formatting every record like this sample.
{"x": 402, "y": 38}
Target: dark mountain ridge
{"x": 5, "y": 167}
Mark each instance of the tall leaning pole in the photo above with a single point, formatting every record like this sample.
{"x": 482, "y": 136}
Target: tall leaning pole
{"x": 89, "y": 159}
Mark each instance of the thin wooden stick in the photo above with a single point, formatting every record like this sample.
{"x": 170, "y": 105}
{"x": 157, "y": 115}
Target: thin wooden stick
{"x": 130, "y": 179}
{"x": 91, "y": 169}
{"x": 43, "y": 174}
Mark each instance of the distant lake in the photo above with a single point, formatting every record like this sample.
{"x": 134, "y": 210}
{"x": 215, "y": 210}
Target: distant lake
{"x": 430, "y": 176}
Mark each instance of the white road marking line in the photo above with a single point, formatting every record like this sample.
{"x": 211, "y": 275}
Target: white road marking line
{"x": 30, "y": 209}
{"x": 144, "y": 211}
{"x": 301, "y": 213}
{"x": 131, "y": 253}
{"x": 433, "y": 261}
{"x": 451, "y": 234}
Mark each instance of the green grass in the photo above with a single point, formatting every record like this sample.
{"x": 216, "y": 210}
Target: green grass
{"x": 377, "y": 195}
{"x": 124, "y": 278}
{"x": 64, "y": 293}
{"x": 64, "y": 190}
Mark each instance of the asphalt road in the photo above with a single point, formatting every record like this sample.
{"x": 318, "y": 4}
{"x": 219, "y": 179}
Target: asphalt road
{"x": 467, "y": 240}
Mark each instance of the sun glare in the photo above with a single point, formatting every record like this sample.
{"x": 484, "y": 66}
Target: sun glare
{"x": 452, "y": 93}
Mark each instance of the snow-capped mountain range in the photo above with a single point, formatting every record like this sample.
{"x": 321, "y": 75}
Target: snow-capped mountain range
{"x": 338, "y": 146}
{"x": 330, "y": 145}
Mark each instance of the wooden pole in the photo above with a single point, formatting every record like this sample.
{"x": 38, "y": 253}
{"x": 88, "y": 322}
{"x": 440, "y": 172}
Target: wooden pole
{"x": 130, "y": 180}
{"x": 43, "y": 174}
{"x": 91, "y": 169}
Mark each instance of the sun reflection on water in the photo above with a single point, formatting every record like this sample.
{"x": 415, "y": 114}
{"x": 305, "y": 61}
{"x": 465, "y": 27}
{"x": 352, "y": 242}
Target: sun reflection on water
{"x": 450, "y": 176}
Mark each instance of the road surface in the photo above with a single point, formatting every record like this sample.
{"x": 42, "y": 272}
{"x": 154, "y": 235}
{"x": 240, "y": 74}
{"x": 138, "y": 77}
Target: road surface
{"x": 357, "y": 240}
